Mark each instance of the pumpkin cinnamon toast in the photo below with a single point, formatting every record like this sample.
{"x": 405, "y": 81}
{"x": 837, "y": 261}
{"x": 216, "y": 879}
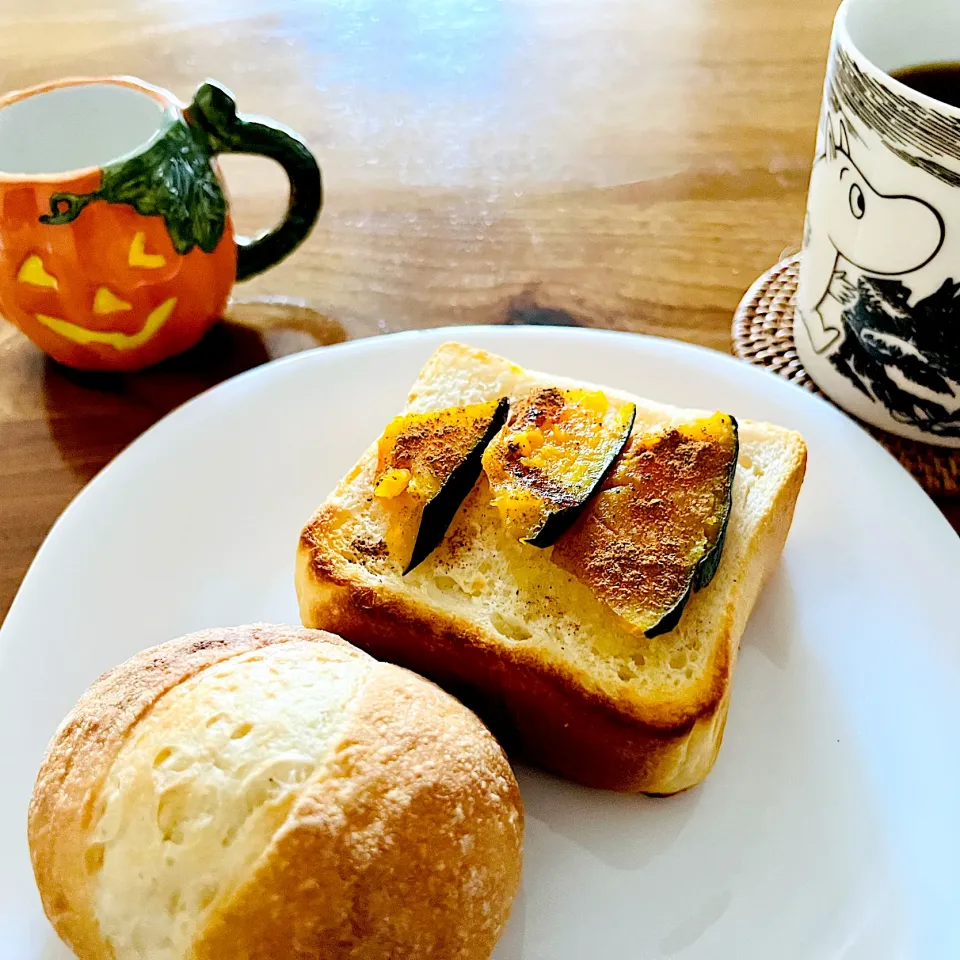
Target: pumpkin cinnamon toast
{"x": 563, "y": 677}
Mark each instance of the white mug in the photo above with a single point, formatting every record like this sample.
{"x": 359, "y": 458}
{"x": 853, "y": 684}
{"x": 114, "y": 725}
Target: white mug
{"x": 878, "y": 304}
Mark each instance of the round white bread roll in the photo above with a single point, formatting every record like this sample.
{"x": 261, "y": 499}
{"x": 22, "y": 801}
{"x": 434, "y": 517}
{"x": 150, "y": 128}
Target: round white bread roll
{"x": 270, "y": 793}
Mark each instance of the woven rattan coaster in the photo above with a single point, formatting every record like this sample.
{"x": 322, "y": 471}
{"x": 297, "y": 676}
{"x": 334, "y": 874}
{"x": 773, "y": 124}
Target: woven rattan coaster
{"x": 763, "y": 334}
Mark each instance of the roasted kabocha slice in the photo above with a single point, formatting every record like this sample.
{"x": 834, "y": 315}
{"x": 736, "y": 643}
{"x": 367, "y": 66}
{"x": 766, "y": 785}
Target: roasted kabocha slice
{"x": 554, "y": 452}
{"x": 427, "y": 463}
{"x": 654, "y": 532}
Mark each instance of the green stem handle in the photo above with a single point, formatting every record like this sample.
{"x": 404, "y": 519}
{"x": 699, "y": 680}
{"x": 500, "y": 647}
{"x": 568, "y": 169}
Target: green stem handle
{"x": 214, "y": 111}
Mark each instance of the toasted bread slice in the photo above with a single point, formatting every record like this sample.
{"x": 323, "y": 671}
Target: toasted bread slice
{"x": 559, "y": 677}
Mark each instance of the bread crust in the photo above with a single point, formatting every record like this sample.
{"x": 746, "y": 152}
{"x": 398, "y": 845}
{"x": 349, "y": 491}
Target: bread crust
{"x": 389, "y": 877}
{"x": 63, "y": 809}
{"x": 400, "y": 725}
{"x": 543, "y": 712}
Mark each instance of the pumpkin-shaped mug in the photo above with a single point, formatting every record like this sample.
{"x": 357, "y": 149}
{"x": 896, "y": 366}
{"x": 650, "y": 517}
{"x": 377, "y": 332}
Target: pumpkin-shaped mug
{"x": 116, "y": 246}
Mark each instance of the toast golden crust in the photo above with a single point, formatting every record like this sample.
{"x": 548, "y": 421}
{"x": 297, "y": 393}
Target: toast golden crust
{"x": 546, "y": 708}
{"x": 540, "y": 712}
{"x": 329, "y": 592}
{"x": 370, "y": 861}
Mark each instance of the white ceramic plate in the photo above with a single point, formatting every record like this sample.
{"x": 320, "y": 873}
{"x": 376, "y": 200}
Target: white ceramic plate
{"x": 829, "y": 827}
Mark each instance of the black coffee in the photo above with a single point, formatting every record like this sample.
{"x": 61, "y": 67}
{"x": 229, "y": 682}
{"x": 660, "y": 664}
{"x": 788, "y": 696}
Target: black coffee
{"x": 938, "y": 80}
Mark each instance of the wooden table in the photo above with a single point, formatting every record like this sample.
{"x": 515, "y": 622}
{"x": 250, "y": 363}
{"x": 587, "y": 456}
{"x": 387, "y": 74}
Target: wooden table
{"x": 616, "y": 163}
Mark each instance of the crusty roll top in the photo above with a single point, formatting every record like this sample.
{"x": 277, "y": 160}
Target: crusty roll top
{"x": 219, "y": 795}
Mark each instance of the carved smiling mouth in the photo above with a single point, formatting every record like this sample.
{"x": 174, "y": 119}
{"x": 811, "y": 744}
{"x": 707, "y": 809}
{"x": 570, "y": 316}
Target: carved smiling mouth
{"x": 119, "y": 341}
{"x": 34, "y": 273}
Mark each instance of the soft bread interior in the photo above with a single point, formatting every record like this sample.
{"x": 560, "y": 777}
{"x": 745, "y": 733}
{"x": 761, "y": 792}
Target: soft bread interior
{"x": 484, "y": 576}
{"x": 195, "y": 795}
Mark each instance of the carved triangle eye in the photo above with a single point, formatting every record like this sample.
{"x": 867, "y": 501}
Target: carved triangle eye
{"x": 138, "y": 256}
{"x": 34, "y": 273}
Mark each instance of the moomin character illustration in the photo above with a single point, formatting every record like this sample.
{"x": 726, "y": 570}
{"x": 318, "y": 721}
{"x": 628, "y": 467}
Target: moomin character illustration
{"x": 882, "y": 235}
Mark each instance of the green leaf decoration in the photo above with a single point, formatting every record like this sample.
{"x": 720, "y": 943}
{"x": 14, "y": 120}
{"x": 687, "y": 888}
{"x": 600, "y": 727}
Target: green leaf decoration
{"x": 173, "y": 179}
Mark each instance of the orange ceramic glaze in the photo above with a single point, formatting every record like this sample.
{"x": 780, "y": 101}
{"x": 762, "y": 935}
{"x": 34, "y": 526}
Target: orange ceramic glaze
{"x": 120, "y": 264}
{"x": 113, "y": 248}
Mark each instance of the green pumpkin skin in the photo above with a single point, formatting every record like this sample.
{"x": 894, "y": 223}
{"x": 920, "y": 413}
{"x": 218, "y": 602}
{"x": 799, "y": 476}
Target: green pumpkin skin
{"x": 635, "y": 546}
{"x": 439, "y": 512}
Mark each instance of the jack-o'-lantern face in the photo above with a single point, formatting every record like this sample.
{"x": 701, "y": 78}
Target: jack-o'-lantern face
{"x": 107, "y": 291}
{"x": 117, "y": 264}
{"x": 116, "y": 247}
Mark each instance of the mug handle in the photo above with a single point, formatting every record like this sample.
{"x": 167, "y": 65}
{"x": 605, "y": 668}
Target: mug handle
{"x": 214, "y": 112}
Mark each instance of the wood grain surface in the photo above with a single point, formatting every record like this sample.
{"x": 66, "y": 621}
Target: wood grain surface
{"x": 632, "y": 164}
